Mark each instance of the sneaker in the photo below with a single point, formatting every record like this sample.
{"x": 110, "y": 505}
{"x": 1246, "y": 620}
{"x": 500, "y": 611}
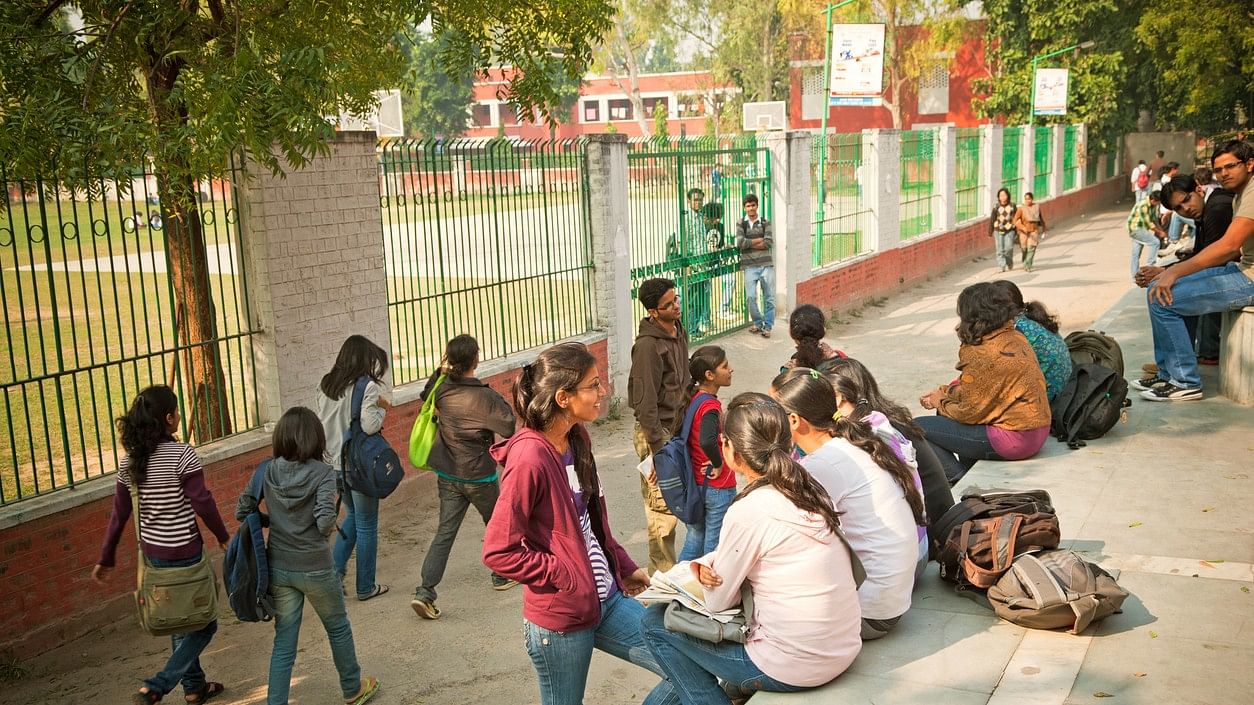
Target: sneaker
{"x": 424, "y": 608}
{"x": 1170, "y": 392}
{"x": 1147, "y": 383}
{"x": 1208, "y": 361}
{"x": 499, "y": 583}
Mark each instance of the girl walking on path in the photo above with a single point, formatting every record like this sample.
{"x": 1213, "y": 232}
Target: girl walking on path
{"x": 1041, "y": 329}
{"x": 807, "y": 325}
{"x": 359, "y": 358}
{"x": 1003, "y": 224}
{"x": 471, "y": 416}
{"x": 551, "y": 532}
{"x": 781, "y": 539}
{"x": 1031, "y": 226}
{"x": 299, "y": 492}
{"x": 170, "y": 483}
{"x": 997, "y": 409}
{"x": 710, "y": 372}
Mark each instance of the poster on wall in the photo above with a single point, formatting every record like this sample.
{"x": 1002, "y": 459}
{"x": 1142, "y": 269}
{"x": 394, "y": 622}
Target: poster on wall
{"x": 857, "y": 77}
{"x": 1051, "y": 92}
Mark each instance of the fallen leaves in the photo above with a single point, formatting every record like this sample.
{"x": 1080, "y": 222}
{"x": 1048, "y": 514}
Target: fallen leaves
{"x": 1245, "y": 589}
{"x": 1210, "y": 563}
{"x": 1140, "y": 675}
{"x": 1102, "y": 694}
{"x": 1134, "y": 524}
{"x": 1208, "y": 509}
{"x": 1153, "y": 635}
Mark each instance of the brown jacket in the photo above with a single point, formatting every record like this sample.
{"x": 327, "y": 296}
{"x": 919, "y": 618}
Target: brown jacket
{"x": 658, "y": 380}
{"x": 1001, "y": 384}
{"x": 471, "y": 415}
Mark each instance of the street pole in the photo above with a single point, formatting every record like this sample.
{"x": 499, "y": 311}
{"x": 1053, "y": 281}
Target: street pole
{"x": 1036, "y": 60}
{"x": 820, "y": 214}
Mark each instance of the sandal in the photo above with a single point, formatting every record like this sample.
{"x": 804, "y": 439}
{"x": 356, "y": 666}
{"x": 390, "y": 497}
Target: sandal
{"x": 369, "y": 687}
{"x": 754, "y": 329}
{"x": 378, "y": 590}
{"x": 766, "y": 333}
{"x": 146, "y": 697}
{"x": 205, "y": 694}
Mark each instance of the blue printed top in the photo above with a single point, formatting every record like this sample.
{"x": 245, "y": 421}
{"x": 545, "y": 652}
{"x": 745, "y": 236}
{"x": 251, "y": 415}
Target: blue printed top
{"x": 1051, "y": 353}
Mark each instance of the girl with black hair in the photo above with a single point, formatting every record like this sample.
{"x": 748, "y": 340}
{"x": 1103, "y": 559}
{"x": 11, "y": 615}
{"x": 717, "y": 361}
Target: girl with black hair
{"x": 1031, "y": 226}
{"x": 359, "y": 361}
{"x": 1003, "y": 220}
{"x": 878, "y": 496}
{"x": 299, "y": 492}
{"x": 472, "y": 415}
{"x": 551, "y": 532}
{"x": 782, "y": 537}
{"x": 807, "y": 325}
{"x": 170, "y": 483}
{"x": 710, "y": 372}
{"x": 998, "y": 408}
{"x": 1041, "y": 329}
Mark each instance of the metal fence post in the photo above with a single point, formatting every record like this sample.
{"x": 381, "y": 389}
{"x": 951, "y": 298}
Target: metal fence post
{"x": 881, "y": 163}
{"x": 791, "y": 213}
{"x": 1057, "y": 157}
{"x": 610, "y": 233}
{"x": 944, "y": 206}
{"x": 990, "y": 166}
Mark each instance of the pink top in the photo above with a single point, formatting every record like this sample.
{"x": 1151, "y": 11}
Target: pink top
{"x": 806, "y": 626}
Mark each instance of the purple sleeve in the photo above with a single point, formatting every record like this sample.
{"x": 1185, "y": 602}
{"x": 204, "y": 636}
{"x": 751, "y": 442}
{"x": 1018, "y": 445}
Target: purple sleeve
{"x": 202, "y": 502}
{"x": 117, "y": 520}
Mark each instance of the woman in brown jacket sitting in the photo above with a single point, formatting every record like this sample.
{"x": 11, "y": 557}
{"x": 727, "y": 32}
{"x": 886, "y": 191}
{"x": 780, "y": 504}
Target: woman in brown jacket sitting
{"x": 997, "y": 409}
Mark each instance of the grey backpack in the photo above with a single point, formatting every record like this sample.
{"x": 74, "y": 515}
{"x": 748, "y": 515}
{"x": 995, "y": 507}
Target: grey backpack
{"x": 1055, "y": 589}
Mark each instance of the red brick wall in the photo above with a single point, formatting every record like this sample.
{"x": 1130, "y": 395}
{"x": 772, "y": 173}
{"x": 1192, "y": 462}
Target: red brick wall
{"x": 45, "y": 564}
{"x": 886, "y": 272}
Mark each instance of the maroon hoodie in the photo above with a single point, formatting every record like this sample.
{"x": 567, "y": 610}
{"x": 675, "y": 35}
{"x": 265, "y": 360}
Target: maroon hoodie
{"x": 534, "y": 536}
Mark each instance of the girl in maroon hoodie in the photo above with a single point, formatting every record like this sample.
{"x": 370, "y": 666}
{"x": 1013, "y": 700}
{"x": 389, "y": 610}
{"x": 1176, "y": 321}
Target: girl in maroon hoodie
{"x": 550, "y": 532}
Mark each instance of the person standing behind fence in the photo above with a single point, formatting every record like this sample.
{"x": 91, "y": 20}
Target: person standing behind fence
{"x": 170, "y": 482}
{"x": 756, "y": 241}
{"x": 655, "y": 391}
{"x": 1003, "y": 222}
{"x": 690, "y": 244}
{"x": 358, "y": 358}
{"x": 471, "y": 416}
{"x": 299, "y": 492}
{"x": 1031, "y": 226}
{"x": 709, "y": 372}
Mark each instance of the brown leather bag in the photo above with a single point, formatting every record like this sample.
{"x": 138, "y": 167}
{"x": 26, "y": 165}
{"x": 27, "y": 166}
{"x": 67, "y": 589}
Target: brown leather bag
{"x": 986, "y": 548}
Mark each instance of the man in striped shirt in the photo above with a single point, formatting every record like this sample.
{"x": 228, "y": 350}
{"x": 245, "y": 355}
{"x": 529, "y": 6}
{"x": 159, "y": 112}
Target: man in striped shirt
{"x": 1144, "y": 230}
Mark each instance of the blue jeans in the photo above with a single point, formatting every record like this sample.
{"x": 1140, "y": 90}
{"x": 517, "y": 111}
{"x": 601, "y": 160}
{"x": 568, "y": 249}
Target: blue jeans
{"x": 1005, "y": 248}
{"x": 1143, "y": 239}
{"x": 694, "y": 666}
{"x": 958, "y": 446}
{"x": 322, "y": 587}
{"x": 1142, "y": 194}
{"x": 185, "y": 649}
{"x": 764, "y": 277}
{"x": 561, "y": 659}
{"x": 729, "y": 291}
{"x": 361, "y": 527}
{"x": 1208, "y": 291}
{"x": 703, "y": 538}
{"x": 1177, "y": 225}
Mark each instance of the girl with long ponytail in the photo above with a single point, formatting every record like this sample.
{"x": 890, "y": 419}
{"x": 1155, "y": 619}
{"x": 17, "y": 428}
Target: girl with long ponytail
{"x": 780, "y": 538}
{"x": 881, "y": 507}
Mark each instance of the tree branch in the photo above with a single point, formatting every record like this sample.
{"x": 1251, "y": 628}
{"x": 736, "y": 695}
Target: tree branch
{"x": 102, "y": 43}
{"x": 47, "y": 12}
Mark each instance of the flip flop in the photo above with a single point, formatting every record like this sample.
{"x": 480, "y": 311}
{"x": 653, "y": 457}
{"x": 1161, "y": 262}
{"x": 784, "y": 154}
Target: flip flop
{"x": 369, "y": 687}
{"x": 207, "y": 693}
{"x": 378, "y": 590}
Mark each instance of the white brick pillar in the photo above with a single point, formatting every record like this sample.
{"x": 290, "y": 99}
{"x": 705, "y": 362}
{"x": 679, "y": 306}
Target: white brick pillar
{"x": 881, "y": 187}
{"x": 610, "y": 220}
{"x": 1082, "y": 155}
{"x": 791, "y": 215}
{"x": 990, "y": 166}
{"x": 316, "y": 269}
{"x": 945, "y": 180}
{"x": 1057, "y": 133}
{"x": 1027, "y": 162}
{"x": 1102, "y": 160}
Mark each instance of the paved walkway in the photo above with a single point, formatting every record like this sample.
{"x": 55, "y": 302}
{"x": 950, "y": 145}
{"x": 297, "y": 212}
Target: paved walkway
{"x": 1164, "y": 499}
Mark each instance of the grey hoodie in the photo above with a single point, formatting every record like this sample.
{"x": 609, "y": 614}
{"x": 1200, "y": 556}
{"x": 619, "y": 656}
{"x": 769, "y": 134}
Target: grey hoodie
{"x": 300, "y": 498}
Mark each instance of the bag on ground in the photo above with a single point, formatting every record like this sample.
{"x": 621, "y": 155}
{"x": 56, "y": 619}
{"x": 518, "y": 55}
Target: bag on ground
{"x": 985, "y": 532}
{"x": 246, "y": 570}
{"x": 672, "y": 465}
{"x": 367, "y": 462}
{"x": 1056, "y": 590}
{"x": 1090, "y": 347}
{"x": 426, "y": 427}
{"x": 1089, "y": 405}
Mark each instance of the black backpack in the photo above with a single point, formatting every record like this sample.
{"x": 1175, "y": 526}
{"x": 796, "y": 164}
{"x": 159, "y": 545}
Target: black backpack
{"x": 1090, "y": 347}
{"x": 1092, "y": 401}
{"x": 246, "y": 569}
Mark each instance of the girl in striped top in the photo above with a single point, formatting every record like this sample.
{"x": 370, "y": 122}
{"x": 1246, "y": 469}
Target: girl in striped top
{"x": 172, "y": 493}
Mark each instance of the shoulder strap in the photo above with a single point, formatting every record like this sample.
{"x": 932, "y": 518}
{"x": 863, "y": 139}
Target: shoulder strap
{"x": 691, "y": 414}
{"x": 359, "y": 392}
{"x": 257, "y": 485}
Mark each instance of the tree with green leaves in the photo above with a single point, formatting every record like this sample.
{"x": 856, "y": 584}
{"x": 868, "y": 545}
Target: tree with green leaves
{"x": 435, "y": 103}
{"x": 93, "y": 88}
{"x": 623, "y": 50}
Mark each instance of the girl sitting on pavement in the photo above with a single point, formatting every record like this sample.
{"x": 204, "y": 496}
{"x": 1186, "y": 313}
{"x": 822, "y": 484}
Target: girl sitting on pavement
{"x": 1041, "y": 329}
{"x": 781, "y": 536}
{"x": 876, "y": 494}
{"x": 807, "y": 325}
{"x": 710, "y": 372}
{"x": 998, "y": 408}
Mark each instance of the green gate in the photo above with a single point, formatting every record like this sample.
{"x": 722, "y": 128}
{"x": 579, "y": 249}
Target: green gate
{"x": 1070, "y": 157}
{"x": 1043, "y": 161}
{"x": 1011, "y": 175}
{"x": 685, "y": 199}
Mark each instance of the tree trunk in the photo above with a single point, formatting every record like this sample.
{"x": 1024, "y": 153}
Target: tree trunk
{"x": 203, "y": 381}
{"x": 633, "y": 81}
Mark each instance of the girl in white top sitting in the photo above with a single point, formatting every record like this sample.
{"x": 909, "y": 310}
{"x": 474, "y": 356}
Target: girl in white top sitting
{"x": 781, "y": 536}
{"x": 874, "y": 492}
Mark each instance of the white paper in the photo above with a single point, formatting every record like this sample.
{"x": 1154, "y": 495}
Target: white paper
{"x": 646, "y": 467}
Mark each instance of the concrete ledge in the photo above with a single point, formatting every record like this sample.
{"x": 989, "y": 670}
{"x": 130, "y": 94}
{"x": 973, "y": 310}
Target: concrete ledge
{"x": 1236, "y": 357}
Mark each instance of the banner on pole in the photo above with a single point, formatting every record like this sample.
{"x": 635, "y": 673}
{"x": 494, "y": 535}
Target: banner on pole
{"x": 1051, "y": 92}
{"x": 857, "y": 77}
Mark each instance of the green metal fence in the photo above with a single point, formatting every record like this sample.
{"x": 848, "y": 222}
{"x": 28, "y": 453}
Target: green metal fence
{"x": 1011, "y": 171}
{"x": 1111, "y": 166}
{"x": 1042, "y": 161}
{"x": 685, "y": 199}
{"x": 1070, "y": 157}
{"x": 1090, "y": 168}
{"x": 845, "y": 215}
{"x": 91, "y": 318}
{"x": 968, "y": 186}
{"x": 486, "y": 237}
{"x": 918, "y": 151}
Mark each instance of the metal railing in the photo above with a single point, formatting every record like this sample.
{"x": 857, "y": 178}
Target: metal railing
{"x": 967, "y": 186}
{"x": 486, "y": 237}
{"x": 845, "y": 215}
{"x": 1011, "y": 154}
{"x": 918, "y": 150}
{"x": 1070, "y": 158}
{"x": 91, "y": 317}
{"x": 1042, "y": 162}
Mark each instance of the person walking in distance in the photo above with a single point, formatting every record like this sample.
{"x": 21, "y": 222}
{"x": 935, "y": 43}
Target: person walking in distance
{"x": 756, "y": 242}
{"x": 656, "y": 387}
{"x": 1003, "y": 222}
{"x": 1031, "y": 226}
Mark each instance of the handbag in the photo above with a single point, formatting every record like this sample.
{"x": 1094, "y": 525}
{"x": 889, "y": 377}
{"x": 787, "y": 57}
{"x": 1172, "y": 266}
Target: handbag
{"x": 173, "y": 600}
{"x": 422, "y": 436}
